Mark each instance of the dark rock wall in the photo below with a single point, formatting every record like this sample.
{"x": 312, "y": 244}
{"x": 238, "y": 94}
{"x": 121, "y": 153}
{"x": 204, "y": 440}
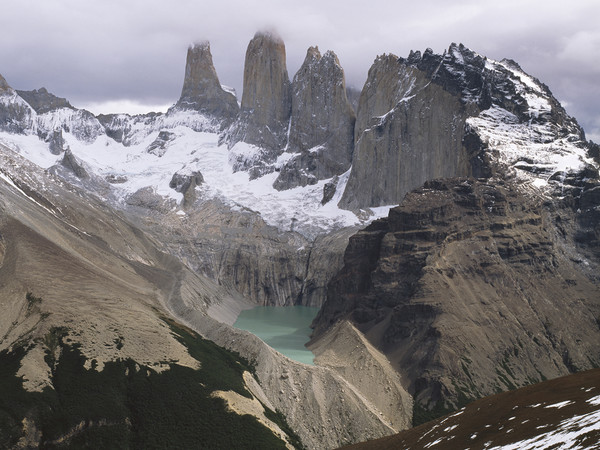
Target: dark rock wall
{"x": 469, "y": 290}
{"x": 322, "y": 123}
{"x": 202, "y": 90}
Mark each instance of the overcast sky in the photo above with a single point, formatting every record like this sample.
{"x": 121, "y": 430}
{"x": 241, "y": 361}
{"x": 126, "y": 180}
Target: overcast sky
{"x": 113, "y": 55}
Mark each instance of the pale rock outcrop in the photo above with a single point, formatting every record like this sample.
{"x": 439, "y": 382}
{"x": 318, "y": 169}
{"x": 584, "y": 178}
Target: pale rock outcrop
{"x": 202, "y": 90}
{"x": 322, "y": 124}
{"x": 266, "y": 102}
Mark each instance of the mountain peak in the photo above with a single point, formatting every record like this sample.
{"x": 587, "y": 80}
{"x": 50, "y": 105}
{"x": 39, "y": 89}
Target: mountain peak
{"x": 322, "y": 123}
{"x": 266, "y": 98}
{"x": 270, "y": 35}
{"x": 43, "y": 101}
{"x": 202, "y": 90}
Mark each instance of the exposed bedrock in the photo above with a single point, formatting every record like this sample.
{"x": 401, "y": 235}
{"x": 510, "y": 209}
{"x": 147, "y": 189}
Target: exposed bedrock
{"x": 202, "y": 90}
{"x": 468, "y": 288}
{"x": 321, "y": 136}
{"x": 266, "y": 98}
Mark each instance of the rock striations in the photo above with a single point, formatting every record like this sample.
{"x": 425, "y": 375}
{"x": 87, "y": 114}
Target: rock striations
{"x": 321, "y": 136}
{"x": 469, "y": 290}
{"x": 202, "y": 90}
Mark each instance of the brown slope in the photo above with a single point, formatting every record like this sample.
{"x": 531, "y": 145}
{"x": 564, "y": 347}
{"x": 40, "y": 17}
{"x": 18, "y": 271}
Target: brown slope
{"x": 514, "y": 417}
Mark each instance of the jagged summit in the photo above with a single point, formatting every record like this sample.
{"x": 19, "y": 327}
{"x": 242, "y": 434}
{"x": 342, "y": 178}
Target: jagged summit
{"x": 321, "y": 134}
{"x": 43, "y": 101}
{"x": 202, "y": 90}
{"x": 482, "y": 117}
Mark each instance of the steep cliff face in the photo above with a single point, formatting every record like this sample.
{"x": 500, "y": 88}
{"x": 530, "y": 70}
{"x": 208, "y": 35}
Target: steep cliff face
{"x": 266, "y": 99}
{"x": 468, "y": 288}
{"x": 408, "y": 130}
{"x": 321, "y": 136}
{"x": 428, "y": 116}
{"x": 202, "y": 90}
{"x": 240, "y": 251}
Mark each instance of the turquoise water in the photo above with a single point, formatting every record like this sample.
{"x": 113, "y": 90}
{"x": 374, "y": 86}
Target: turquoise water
{"x": 285, "y": 328}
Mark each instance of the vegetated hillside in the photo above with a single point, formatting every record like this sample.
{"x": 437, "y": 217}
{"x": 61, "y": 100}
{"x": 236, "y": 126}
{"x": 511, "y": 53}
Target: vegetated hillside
{"x": 561, "y": 413}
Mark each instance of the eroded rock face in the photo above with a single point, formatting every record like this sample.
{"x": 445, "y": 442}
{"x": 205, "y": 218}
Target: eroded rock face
{"x": 159, "y": 146}
{"x": 266, "y": 99}
{"x": 322, "y": 123}
{"x": 202, "y": 90}
{"x": 71, "y": 162}
{"x": 56, "y": 142}
{"x": 265, "y": 265}
{"x": 468, "y": 290}
{"x": 186, "y": 183}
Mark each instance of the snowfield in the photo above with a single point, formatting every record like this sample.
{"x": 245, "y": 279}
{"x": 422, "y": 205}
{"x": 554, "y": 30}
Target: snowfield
{"x": 135, "y": 168}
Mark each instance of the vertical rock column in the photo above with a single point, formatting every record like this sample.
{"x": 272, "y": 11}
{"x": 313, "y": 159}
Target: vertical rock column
{"x": 322, "y": 123}
{"x": 202, "y": 90}
{"x": 266, "y": 102}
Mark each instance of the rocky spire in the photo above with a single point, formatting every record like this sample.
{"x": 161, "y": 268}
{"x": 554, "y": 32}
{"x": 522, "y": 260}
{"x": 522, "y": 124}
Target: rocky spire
{"x": 202, "y": 90}
{"x": 266, "y": 99}
{"x": 322, "y": 123}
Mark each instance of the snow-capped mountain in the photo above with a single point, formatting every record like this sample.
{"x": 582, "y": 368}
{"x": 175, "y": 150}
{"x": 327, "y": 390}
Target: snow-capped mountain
{"x": 484, "y": 116}
{"x": 497, "y": 226}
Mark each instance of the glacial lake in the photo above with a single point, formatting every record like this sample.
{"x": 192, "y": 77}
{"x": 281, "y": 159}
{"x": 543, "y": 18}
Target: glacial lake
{"x": 285, "y": 328}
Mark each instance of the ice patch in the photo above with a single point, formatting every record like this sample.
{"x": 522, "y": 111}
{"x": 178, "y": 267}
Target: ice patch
{"x": 297, "y": 209}
{"x": 560, "y": 404}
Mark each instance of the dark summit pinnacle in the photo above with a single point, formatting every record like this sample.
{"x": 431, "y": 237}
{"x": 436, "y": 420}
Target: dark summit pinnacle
{"x": 322, "y": 123}
{"x": 266, "y": 99}
{"x": 202, "y": 90}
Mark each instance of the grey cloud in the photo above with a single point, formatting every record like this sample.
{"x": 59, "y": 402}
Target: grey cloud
{"x": 111, "y": 50}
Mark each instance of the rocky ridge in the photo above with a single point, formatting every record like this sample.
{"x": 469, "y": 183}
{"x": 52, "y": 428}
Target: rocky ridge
{"x": 468, "y": 288}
